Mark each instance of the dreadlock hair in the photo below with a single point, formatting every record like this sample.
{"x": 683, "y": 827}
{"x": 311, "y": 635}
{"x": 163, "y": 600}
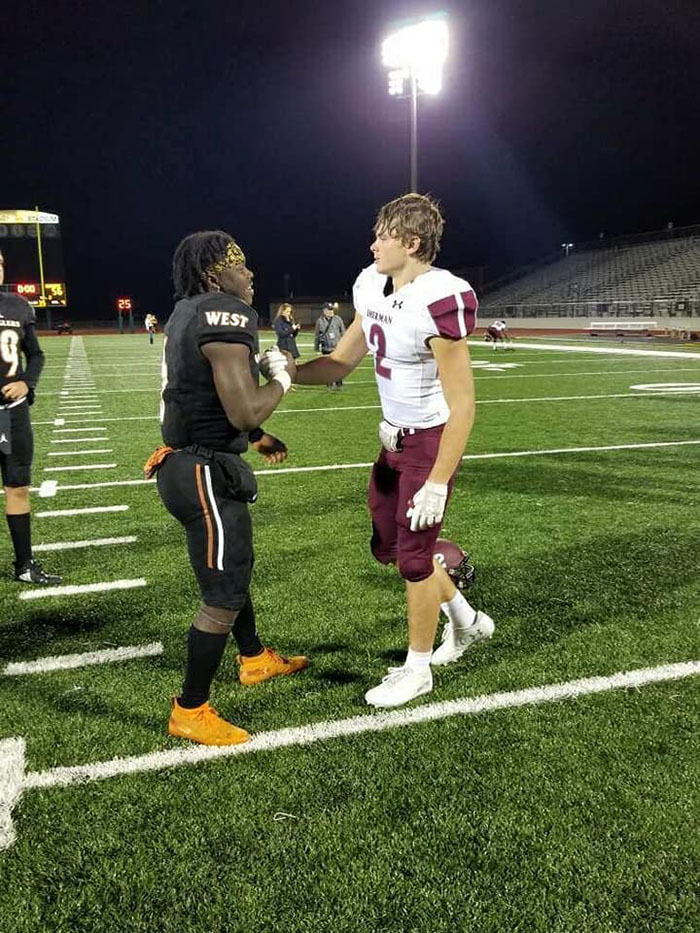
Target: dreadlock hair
{"x": 413, "y": 215}
{"x": 193, "y": 256}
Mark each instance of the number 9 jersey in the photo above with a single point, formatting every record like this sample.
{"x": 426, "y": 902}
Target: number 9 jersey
{"x": 398, "y": 328}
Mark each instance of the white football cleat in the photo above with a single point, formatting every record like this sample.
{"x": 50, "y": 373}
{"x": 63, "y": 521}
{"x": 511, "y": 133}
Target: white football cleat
{"x": 455, "y": 641}
{"x": 399, "y": 686}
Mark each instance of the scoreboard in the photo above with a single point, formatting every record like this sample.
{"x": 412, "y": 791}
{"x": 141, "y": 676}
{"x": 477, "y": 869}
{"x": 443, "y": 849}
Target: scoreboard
{"x": 30, "y": 242}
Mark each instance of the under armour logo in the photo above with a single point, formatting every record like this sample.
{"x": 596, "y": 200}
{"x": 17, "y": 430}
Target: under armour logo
{"x": 4, "y": 439}
{"x": 397, "y": 304}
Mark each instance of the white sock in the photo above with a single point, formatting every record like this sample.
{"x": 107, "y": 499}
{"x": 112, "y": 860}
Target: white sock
{"x": 418, "y": 660}
{"x": 459, "y": 612}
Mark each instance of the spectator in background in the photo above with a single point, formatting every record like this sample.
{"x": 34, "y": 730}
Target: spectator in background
{"x": 329, "y": 330}
{"x": 287, "y": 329}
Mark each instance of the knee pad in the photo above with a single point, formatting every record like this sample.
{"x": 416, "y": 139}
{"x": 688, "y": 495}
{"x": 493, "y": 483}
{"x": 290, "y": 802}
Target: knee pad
{"x": 416, "y": 564}
{"x": 216, "y": 621}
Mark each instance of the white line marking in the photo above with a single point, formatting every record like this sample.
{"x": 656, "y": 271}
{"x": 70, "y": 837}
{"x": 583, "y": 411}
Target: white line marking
{"x": 619, "y": 351}
{"x": 76, "y": 440}
{"x": 11, "y": 785}
{"x": 84, "y": 466}
{"x": 497, "y": 401}
{"x": 56, "y": 421}
{"x": 48, "y": 489}
{"x": 668, "y": 388}
{"x": 73, "y": 430}
{"x": 80, "y": 453}
{"x": 490, "y": 456}
{"x": 358, "y": 725}
{"x": 67, "y": 662}
{"x": 94, "y": 542}
{"x": 355, "y": 466}
{"x": 90, "y": 511}
{"x": 49, "y": 591}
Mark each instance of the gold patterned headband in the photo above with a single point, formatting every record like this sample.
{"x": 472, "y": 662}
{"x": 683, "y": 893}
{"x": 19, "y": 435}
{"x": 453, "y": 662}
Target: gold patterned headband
{"x": 233, "y": 256}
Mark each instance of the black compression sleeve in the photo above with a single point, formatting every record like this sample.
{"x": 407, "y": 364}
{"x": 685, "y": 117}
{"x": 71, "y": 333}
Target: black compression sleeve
{"x": 34, "y": 356}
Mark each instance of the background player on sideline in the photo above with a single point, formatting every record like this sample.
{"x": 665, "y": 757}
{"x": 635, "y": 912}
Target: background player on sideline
{"x": 497, "y": 332}
{"x": 414, "y": 319}
{"x": 212, "y": 406}
{"x": 150, "y": 323}
{"x": 17, "y": 384}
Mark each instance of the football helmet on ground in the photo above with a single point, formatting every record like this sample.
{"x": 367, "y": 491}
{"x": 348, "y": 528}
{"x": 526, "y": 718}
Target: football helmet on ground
{"x": 456, "y": 562}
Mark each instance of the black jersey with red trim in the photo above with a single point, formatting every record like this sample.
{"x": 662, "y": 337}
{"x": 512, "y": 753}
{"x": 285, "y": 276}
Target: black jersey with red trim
{"x": 21, "y": 357}
{"x": 191, "y": 411}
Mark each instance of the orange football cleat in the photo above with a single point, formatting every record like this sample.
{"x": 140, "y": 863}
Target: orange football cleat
{"x": 268, "y": 664}
{"x": 204, "y": 725}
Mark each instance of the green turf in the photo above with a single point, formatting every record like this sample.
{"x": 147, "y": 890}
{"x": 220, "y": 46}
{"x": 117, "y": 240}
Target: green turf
{"x": 574, "y": 816}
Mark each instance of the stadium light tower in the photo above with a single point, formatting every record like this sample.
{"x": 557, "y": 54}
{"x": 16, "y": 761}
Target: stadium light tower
{"x": 414, "y": 54}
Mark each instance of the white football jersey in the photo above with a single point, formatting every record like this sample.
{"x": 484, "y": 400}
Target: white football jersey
{"x": 398, "y": 328}
{"x": 499, "y": 325}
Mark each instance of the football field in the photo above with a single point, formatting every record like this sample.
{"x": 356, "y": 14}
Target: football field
{"x": 532, "y": 790}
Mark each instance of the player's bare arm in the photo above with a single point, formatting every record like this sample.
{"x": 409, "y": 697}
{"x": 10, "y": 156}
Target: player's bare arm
{"x": 351, "y": 349}
{"x": 246, "y": 404}
{"x": 455, "y": 373}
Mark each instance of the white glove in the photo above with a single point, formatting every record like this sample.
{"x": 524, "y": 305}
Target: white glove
{"x": 272, "y": 362}
{"x": 428, "y": 506}
{"x": 390, "y": 436}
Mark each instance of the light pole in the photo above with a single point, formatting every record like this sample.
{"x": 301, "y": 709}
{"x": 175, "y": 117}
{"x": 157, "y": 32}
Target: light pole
{"x": 415, "y": 53}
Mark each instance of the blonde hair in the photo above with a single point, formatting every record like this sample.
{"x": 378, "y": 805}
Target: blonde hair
{"x": 285, "y": 306}
{"x": 413, "y": 215}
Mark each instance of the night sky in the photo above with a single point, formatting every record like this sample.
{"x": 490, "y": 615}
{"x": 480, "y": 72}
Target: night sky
{"x": 141, "y": 122}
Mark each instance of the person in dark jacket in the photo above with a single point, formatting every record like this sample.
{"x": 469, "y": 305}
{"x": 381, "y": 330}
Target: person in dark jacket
{"x": 329, "y": 329}
{"x": 287, "y": 329}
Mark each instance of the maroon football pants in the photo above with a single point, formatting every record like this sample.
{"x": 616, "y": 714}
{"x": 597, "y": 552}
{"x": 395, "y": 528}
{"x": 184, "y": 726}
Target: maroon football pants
{"x": 395, "y": 478}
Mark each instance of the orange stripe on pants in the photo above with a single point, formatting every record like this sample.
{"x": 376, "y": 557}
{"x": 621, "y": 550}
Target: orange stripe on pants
{"x": 207, "y": 516}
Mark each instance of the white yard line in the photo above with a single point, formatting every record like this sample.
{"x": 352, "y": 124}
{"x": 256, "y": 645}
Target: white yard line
{"x": 49, "y": 591}
{"x": 94, "y": 542}
{"x": 72, "y": 430}
{"x": 614, "y": 351}
{"x": 93, "y": 510}
{"x": 356, "y": 466}
{"x": 14, "y": 780}
{"x": 76, "y": 440}
{"x": 80, "y": 453}
{"x": 69, "y": 662}
{"x": 83, "y": 466}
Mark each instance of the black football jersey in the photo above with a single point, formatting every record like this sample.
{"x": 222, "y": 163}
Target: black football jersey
{"x": 191, "y": 412}
{"x": 20, "y": 355}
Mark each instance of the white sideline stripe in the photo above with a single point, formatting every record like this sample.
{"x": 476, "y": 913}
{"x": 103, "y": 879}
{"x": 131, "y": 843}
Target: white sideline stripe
{"x": 94, "y": 542}
{"x": 93, "y": 510}
{"x": 79, "y": 453}
{"x": 620, "y": 351}
{"x": 358, "y": 725}
{"x": 83, "y": 466}
{"x": 48, "y": 591}
{"x": 68, "y": 662}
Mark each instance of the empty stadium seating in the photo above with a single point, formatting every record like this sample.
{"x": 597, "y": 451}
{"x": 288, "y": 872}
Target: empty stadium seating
{"x": 625, "y": 278}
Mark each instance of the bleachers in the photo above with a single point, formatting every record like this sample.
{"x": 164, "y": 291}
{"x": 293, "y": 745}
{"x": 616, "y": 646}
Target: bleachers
{"x": 636, "y": 274}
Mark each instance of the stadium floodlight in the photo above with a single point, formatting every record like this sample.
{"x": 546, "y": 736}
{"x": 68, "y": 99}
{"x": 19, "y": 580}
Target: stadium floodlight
{"x": 415, "y": 54}
{"x": 567, "y": 247}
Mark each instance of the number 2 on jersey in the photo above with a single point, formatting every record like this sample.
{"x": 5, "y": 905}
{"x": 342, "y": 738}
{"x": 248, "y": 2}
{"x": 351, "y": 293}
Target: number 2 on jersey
{"x": 378, "y": 341}
{"x": 9, "y": 351}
